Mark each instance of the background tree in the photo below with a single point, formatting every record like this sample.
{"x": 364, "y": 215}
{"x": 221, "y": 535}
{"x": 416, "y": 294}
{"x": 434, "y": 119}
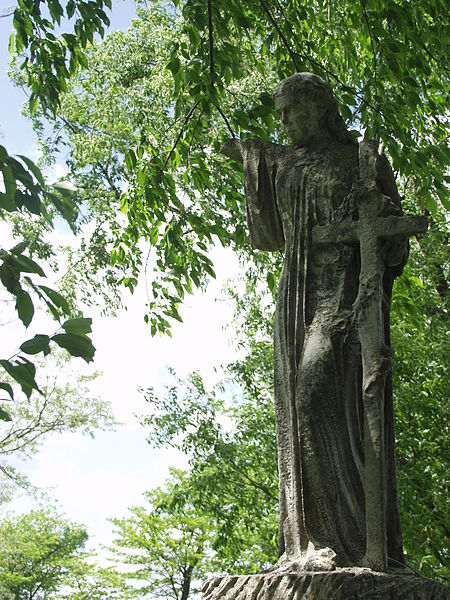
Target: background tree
{"x": 42, "y": 556}
{"x": 65, "y": 405}
{"x": 88, "y": 581}
{"x": 37, "y": 550}
{"x": 125, "y": 98}
{"x": 167, "y": 542}
{"x": 233, "y": 473}
{"x": 420, "y": 322}
{"x": 228, "y": 432}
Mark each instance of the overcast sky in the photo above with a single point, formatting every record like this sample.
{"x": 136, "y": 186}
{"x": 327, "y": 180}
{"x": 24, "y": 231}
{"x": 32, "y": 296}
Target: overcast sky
{"x": 93, "y": 479}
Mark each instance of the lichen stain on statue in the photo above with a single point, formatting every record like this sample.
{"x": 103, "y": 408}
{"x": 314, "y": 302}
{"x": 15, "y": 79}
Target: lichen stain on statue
{"x": 333, "y": 205}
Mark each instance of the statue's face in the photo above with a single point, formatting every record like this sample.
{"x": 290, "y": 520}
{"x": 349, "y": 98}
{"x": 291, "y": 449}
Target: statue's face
{"x": 302, "y": 119}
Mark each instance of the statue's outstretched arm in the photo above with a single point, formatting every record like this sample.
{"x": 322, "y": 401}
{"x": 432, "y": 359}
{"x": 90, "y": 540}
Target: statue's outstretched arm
{"x": 233, "y": 149}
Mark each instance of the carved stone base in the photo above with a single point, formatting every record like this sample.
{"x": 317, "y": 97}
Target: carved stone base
{"x": 341, "y": 584}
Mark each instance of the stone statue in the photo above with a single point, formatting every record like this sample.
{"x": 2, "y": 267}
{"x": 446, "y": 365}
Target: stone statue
{"x": 333, "y": 205}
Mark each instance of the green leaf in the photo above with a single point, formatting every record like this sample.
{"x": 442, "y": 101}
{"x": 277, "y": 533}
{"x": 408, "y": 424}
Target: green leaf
{"x": 33, "y": 168}
{"x": 8, "y": 388}
{"x": 346, "y": 112}
{"x": 80, "y": 326}
{"x": 24, "y": 307}
{"x": 66, "y": 207}
{"x": 57, "y": 299}
{"x": 445, "y": 202}
{"x": 70, "y": 8}
{"x": 7, "y": 203}
{"x": 82, "y": 59}
{"x": 130, "y": 160}
{"x": 39, "y": 343}
{"x": 7, "y": 198}
{"x": 430, "y": 203}
{"x": 23, "y": 372}
{"x": 33, "y": 103}
{"x": 76, "y": 345}
{"x": 194, "y": 38}
{"x": 349, "y": 99}
{"x": 31, "y": 201}
{"x": 66, "y": 188}
{"x": 174, "y": 65}
{"x": 9, "y": 278}
{"x": 416, "y": 281}
{"x": 25, "y": 264}
{"x": 19, "y": 248}
{"x": 11, "y": 44}
{"x": 271, "y": 281}
{"x": 4, "y": 416}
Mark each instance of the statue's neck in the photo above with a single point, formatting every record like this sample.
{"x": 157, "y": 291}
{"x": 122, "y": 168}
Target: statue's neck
{"x": 320, "y": 142}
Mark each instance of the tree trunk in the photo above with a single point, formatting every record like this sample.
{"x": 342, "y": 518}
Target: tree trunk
{"x": 186, "y": 583}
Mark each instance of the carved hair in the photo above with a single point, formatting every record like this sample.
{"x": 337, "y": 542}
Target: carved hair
{"x": 318, "y": 91}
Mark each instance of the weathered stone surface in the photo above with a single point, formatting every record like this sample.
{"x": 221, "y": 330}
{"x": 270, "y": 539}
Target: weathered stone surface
{"x": 333, "y": 205}
{"x": 341, "y": 584}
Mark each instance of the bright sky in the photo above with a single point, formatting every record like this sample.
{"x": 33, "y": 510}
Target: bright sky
{"x": 93, "y": 479}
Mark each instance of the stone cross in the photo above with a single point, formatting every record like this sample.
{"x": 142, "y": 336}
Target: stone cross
{"x": 368, "y": 231}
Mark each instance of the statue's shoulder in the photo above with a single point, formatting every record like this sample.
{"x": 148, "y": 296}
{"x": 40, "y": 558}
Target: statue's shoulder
{"x": 261, "y": 146}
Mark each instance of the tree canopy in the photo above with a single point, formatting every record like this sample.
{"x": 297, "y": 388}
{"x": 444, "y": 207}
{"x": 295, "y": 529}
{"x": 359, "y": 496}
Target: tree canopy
{"x": 37, "y": 550}
{"x": 167, "y": 541}
{"x": 42, "y": 557}
{"x": 143, "y": 124}
{"x": 65, "y": 405}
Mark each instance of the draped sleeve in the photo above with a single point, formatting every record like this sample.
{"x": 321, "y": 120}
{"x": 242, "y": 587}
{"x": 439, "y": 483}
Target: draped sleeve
{"x": 264, "y": 222}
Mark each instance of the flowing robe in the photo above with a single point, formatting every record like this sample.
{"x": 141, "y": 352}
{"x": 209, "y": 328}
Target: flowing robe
{"x": 317, "y": 355}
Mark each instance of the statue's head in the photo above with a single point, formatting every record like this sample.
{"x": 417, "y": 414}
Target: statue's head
{"x": 308, "y": 110}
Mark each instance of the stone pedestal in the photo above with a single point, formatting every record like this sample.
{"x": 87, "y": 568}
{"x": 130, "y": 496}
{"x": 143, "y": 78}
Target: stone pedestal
{"x": 341, "y": 584}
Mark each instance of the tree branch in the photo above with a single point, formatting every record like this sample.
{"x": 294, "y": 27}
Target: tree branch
{"x": 317, "y": 64}
{"x": 83, "y": 255}
{"x": 226, "y": 122}
{"x": 110, "y": 181}
{"x": 211, "y": 43}
{"x": 431, "y": 55}
{"x": 438, "y": 555}
{"x": 186, "y": 120}
{"x": 193, "y": 136}
{"x": 260, "y": 486}
{"x": 280, "y": 33}
{"x": 366, "y": 18}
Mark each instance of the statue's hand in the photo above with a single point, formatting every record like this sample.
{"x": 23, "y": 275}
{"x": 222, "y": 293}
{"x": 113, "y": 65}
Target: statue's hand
{"x": 363, "y": 192}
{"x": 395, "y": 251}
{"x": 387, "y": 207}
{"x": 233, "y": 149}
